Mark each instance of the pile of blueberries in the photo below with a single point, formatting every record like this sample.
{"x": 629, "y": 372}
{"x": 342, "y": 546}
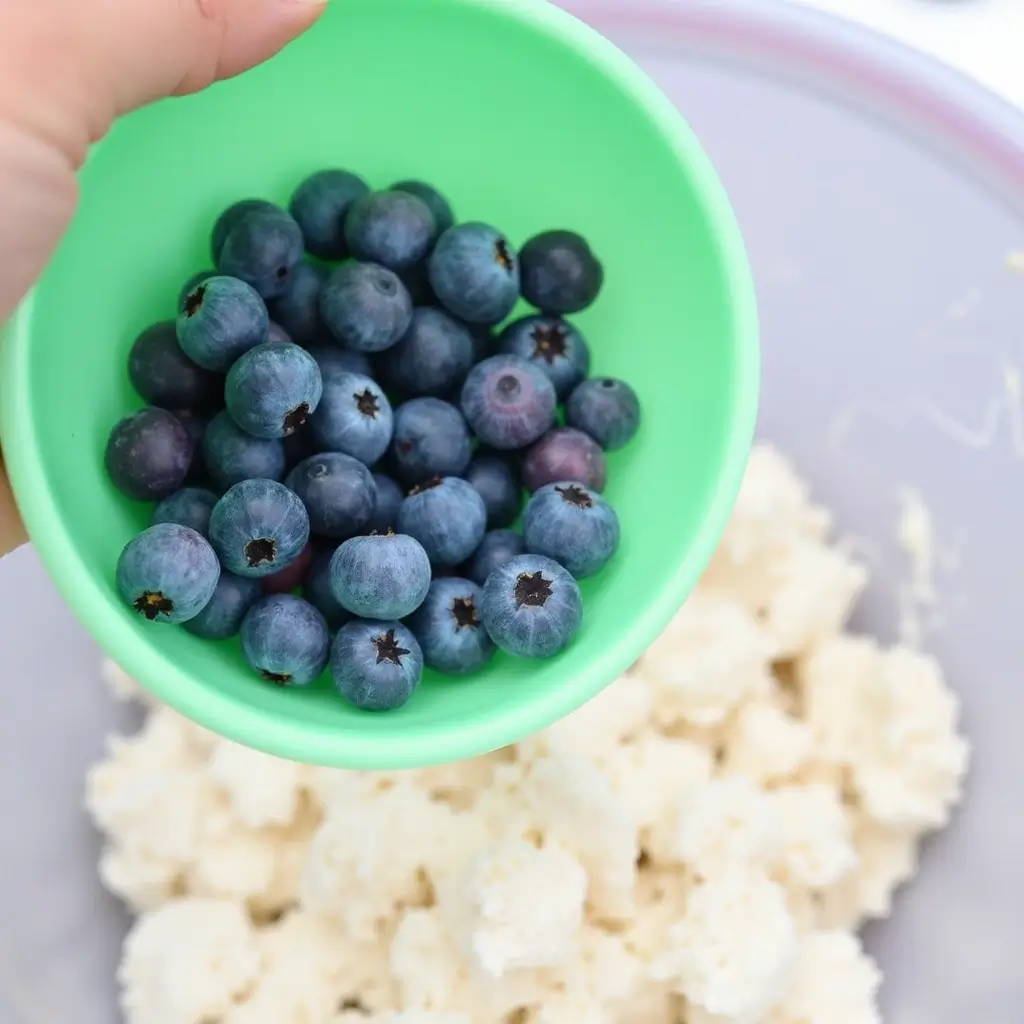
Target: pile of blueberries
{"x": 335, "y": 413}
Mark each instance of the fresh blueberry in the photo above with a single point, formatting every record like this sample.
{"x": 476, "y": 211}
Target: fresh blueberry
{"x": 496, "y": 481}
{"x": 297, "y": 311}
{"x": 432, "y": 357}
{"x": 191, "y": 507}
{"x": 272, "y": 390}
{"x": 317, "y": 589}
{"x": 448, "y": 628}
{"x": 380, "y": 576}
{"x": 552, "y": 344}
{"x": 474, "y": 271}
{"x": 149, "y": 454}
{"x": 394, "y": 229}
{"x": 531, "y": 607}
{"x": 366, "y": 307}
{"x": 222, "y": 319}
{"x": 508, "y": 402}
{"x": 232, "y": 215}
{"x": 498, "y": 548}
{"x": 231, "y": 455}
{"x": 263, "y": 248}
{"x": 431, "y": 439}
{"x": 560, "y": 275}
{"x": 573, "y": 525}
{"x": 565, "y": 453}
{"x": 222, "y": 616}
{"x": 354, "y": 417}
{"x": 376, "y": 666}
{"x": 276, "y": 333}
{"x": 320, "y": 206}
{"x": 167, "y": 573}
{"x": 291, "y": 577}
{"x": 447, "y": 517}
{"x": 444, "y": 217}
{"x": 195, "y": 424}
{"x": 164, "y": 376}
{"x": 285, "y": 639}
{"x": 607, "y": 409}
{"x": 389, "y": 499}
{"x": 258, "y": 528}
{"x": 332, "y": 359}
{"x": 338, "y": 492}
{"x": 198, "y": 278}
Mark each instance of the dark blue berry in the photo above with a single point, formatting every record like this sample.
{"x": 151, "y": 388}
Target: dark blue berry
{"x": 496, "y": 549}
{"x": 338, "y": 492}
{"x": 376, "y": 666}
{"x": 285, "y": 639}
{"x": 231, "y": 216}
{"x": 380, "y": 576}
{"x": 191, "y": 507}
{"x": 164, "y": 376}
{"x": 431, "y": 439}
{"x": 332, "y": 359}
{"x": 198, "y": 278}
{"x": 447, "y": 517}
{"x": 196, "y": 423}
{"x": 389, "y": 499}
{"x": 222, "y": 616}
{"x": 275, "y": 332}
{"x": 573, "y": 525}
{"x": 607, "y": 409}
{"x": 320, "y": 206}
{"x": 444, "y": 217}
{"x": 448, "y": 628}
{"x": 565, "y": 453}
{"x": 552, "y": 344}
{"x": 508, "y": 402}
{"x": 354, "y": 417}
{"x": 560, "y": 275}
{"x": 417, "y": 283}
{"x": 317, "y": 589}
{"x": 432, "y": 357}
{"x": 231, "y": 455}
{"x": 497, "y": 482}
{"x": 297, "y": 311}
{"x": 149, "y": 454}
{"x": 366, "y": 307}
{"x": 474, "y": 271}
{"x": 222, "y": 319}
{"x": 263, "y": 248}
{"x": 273, "y": 389}
{"x": 394, "y": 229}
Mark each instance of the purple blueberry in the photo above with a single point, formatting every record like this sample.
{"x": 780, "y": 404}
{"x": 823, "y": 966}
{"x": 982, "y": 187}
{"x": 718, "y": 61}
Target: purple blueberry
{"x": 607, "y": 409}
{"x": 164, "y": 376}
{"x": 560, "y": 275}
{"x": 273, "y": 389}
{"x": 231, "y": 455}
{"x": 508, "y": 402}
{"x": 297, "y": 311}
{"x": 497, "y": 548}
{"x": 191, "y": 507}
{"x": 291, "y": 577}
{"x": 444, "y": 217}
{"x": 552, "y": 344}
{"x": 285, "y": 640}
{"x": 221, "y": 617}
{"x": 565, "y": 453}
{"x": 573, "y": 525}
{"x": 149, "y": 454}
{"x": 394, "y": 229}
{"x": 389, "y": 499}
{"x": 497, "y": 482}
{"x": 447, "y": 517}
{"x": 338, "y": 492}
{"x": 431, "y": 358}
{"x": 431, "y": 439}
{"x": 317, "y": 589}
{"x": 221, "y": 320}
{"x": 332, "y": 359}
{"x": 167, "y": 573}
{"x": 474, "y": 271}
{"x": 198, "y": 278}
{"x": 448, "y": 628}
{"x": 275, "y": 332}
{"x": 365, "y": 307}
{"x": 232, "y": 215}
{"x": 262, "y": 248}
{"x": 258, "y": 528}
{"x": 320, "y": 207}
{"x": 376, "y": 666}
{"x": 354, "y": 417}
{"x": 380, "y": 576}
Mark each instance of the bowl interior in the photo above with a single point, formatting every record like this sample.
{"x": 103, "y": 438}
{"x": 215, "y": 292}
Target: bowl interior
{"x": 527, "y": 120}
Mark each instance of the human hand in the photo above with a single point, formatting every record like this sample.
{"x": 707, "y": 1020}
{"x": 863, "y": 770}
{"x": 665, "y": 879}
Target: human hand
{"x": 68, "y": 68}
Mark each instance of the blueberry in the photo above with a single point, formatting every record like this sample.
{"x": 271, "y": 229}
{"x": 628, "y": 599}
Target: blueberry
{"x": 552, "y": 344}
{"x": 389, "y": 499}
{"x": 258, "y": 528}
{"x": 272, "y": 390}
{"x": 444, "y": 217}
{"x": 447, "y": 517}
{"x": 448, "y": 628}
{"x": 483, "y": 342}
{"x": 338, "y": 492}
{"x": 195, "y": 424}
{"x": 291, "y": 577}
{"x": 297, "y": 311}
{"x": 498, "y": 484}
{"x": 332, "y": 359}
{"x": 167, "y": 573}
{"x": 417, "y": 283}
{"x": 232, "y": 215}
{"x": 366, "y": 307}
{"x": 607, "y": 409}
{"x": 285, "y": 640}
{"x": 275, "y": 332}
{"x": 149, "y": 454}
{"x": 198, "y": 278}
{"x": 191, "y": 507}
{"x": 376, "y": 666}
{"x": 565, "y": 453}
{"x": 383, "y": 576}
{"x": 320, "y": 206}
{"x": 232, "y": 455}
{"x": 394, "y": 229}
{"x": 496, "y": 549}
{"x": 222, "y": 615}
{"x": 354, "y": 417}
{"x": 432, "y": 357}
{"x": 508, "y": 402}
{"x": 263, "y": 248}
{"x": 317, "y": 589}
{"x": 431, "y": 439}
{"x": 474, "y": 271}
{"x": 560, "y": 275}
{"x": 298, "y": 447}
{"x": 573, "y": 525}
{"x": 222, "y": 319}
{"x": 164, "y": 376}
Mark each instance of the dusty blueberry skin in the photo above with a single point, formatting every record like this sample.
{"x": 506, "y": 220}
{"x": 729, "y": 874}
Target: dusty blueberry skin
{"x": 231, "y": 455}
{"x": 258, "y": 528}
{"x": 149, "y": 454}
{"x": 508, "y": 402}
{"x": 332, "y": 359}
{"x": 389, "y": 499}
{"x": 497, "y": 482}
{"x": 232, "y": 215}
{"x": 531, "y": 607}
{"x": 431, "y": 358}
{"x": 222, "y": 319}
{"x": 607, "y": 409}
{"x": 474, "y": 272}
{"x": 297, "y": 311}
{"x": 338, "y": 492}
{"x": 263, "y": 248}
{"x": 376, "y": 666}
{"x": 273, "y": 389}
{"x": 448, "y": 628}
{"x": 444, "y": 216}
{"x": 498, "y": 548}
{"x": 573, "y": 525}
{"x": 380, "y": 576}
{"x": 565, "y": 453}
{"x": 560, "y": 275}
{"x": 447, "y": 517}
{"x": 365, "y": 307}
{"x": 165, "y": 377}
{"x": 551, "y": 343}
{"x": 221, "y": 617}
{"x": 191, "y": 507}
{"x": 285, "y": 640}
{"x": 317, "y": 589}
{"x": 354, "y": 417}
{"x": 168, "y": 573}
{"x": 198, "y": 278}
{"x": 431, "y": 439}
{"x": 320, "y": 207}
{"x": 394, "y": 229}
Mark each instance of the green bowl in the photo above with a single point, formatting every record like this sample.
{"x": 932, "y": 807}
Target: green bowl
{"x": 527, "y": 119}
